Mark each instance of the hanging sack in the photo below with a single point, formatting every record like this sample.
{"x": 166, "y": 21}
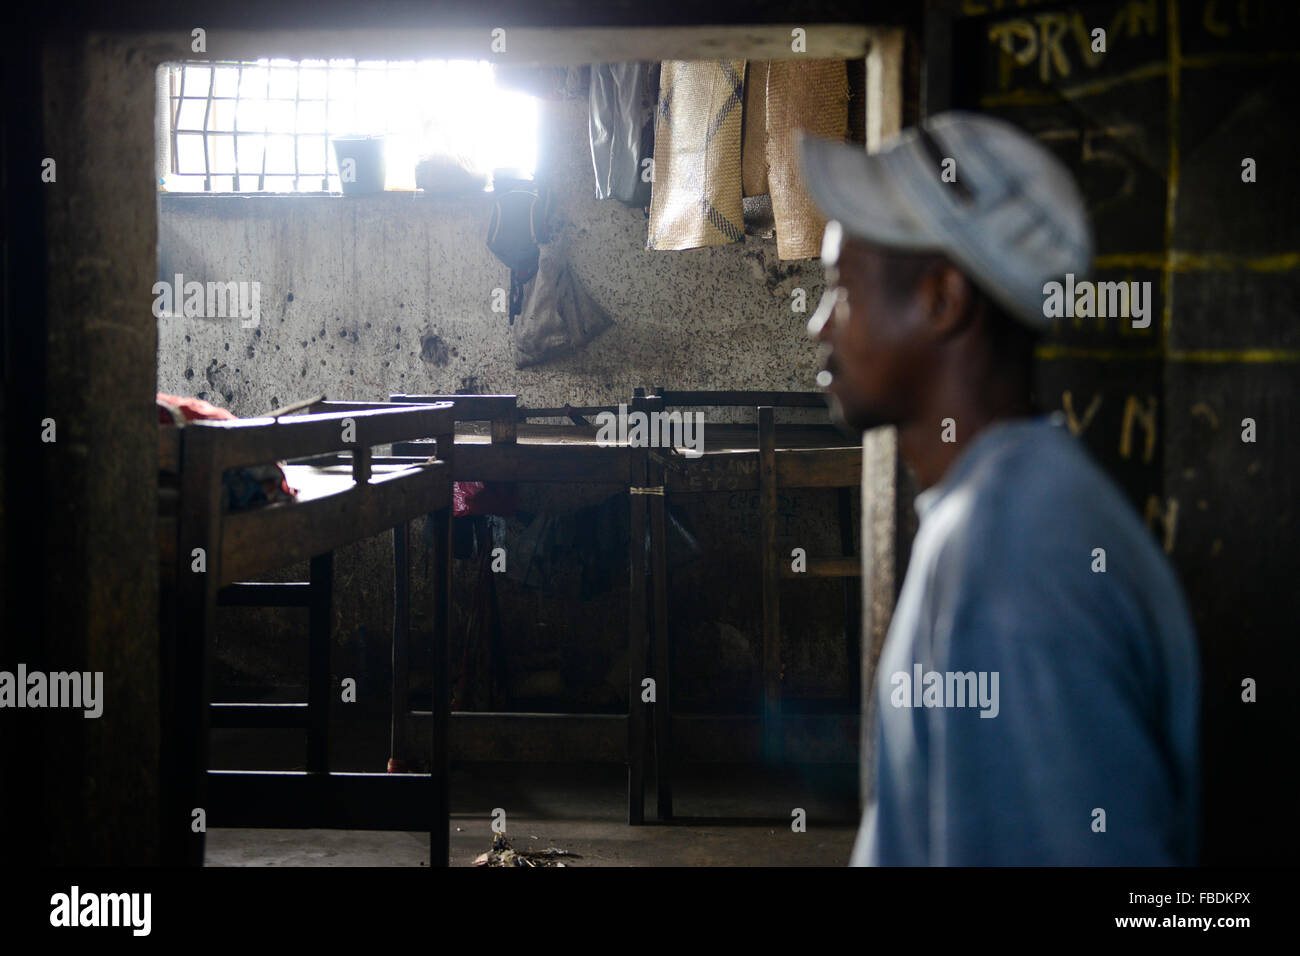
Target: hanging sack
{"x": 558, "y": 313}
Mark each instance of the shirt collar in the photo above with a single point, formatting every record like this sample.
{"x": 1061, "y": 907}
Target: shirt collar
{"x": 989, "y": 439}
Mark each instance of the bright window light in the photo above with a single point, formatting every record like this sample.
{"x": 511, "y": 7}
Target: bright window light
{"x": 266, "y": 126}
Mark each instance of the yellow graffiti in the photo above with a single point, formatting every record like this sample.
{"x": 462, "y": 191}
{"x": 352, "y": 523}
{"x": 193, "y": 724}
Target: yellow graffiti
{"x": 1075, "y": 425}
{"x": 1133, "y": 411}
{"x": 1168, "y": 521}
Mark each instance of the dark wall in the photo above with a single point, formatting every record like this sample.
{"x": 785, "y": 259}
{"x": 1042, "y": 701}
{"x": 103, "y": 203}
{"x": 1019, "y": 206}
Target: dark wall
{"x": 80, "y": 342}
{"x": 1156, "y": 128}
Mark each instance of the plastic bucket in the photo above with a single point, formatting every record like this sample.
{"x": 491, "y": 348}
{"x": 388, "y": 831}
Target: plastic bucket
{"x": 361, "y": 164}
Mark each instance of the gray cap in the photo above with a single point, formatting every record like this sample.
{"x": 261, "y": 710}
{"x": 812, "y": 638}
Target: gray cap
{"x": 1012, "y": 219}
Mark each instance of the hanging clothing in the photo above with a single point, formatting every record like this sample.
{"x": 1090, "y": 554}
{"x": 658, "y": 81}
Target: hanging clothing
{"x": 721, "y": 136}
{"x": 621, "y": 126}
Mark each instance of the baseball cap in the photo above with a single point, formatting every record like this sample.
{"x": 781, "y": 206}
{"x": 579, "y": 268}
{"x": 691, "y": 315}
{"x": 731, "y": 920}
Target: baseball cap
{"x": 1012, "y": 218}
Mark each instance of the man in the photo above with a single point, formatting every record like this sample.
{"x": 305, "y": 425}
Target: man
{"x": 1037, "y": 696}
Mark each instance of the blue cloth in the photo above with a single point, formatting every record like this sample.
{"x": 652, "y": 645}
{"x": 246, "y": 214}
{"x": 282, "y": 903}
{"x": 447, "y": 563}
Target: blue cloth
{"x": 1097, "y": 677}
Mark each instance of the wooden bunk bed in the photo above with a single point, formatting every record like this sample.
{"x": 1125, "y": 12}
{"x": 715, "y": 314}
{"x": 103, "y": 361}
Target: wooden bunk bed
{"x": 342, "y": 498}
{"x": 499, "y": 441}
{"x": 764, "y": 456}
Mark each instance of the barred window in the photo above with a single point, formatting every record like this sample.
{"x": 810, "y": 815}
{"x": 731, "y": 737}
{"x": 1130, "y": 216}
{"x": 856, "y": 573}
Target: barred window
{"x": 267, "y": 125}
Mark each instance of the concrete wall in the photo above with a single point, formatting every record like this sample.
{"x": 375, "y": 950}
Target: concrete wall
{"x": 368, "y": 296}
{"x": 92, "y": 780}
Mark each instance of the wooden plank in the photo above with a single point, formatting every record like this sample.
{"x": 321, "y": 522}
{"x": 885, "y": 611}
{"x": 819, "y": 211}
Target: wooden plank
{"x": 288, "y": 715}
{"x": 277, "y": 535}
{"x": 765, "y": 36}
{"x": 470, "y": 408}
{"x": 254, "y": 441}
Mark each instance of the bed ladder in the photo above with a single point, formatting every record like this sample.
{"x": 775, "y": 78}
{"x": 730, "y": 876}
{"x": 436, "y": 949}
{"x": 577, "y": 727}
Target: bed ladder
{"x": 316, "y": 595}
{"x": 773, "y": 568}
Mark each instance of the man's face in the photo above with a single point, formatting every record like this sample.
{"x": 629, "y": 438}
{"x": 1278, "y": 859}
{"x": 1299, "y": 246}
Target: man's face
{"x": 875, "y": 346}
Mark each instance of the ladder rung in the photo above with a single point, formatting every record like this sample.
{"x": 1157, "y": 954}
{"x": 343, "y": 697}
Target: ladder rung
{"x": 824, "y": 568}
{"x": 260, "y": 715}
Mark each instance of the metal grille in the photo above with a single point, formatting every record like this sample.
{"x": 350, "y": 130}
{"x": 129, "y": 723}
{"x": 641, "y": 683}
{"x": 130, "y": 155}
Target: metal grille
{"x": 266, "y": 126}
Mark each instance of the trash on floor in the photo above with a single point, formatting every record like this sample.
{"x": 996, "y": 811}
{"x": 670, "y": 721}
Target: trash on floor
{"x": 503, "y": 854}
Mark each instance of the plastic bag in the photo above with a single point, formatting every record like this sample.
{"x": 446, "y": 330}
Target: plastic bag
{"x": 558, "y": 314}
{"x": 622, "y": 128}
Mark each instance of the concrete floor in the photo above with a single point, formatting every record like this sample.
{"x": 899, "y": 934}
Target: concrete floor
{"x": 726, "y": 815}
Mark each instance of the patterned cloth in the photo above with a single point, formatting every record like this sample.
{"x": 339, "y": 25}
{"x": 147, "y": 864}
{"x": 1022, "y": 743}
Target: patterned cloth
{"x": 695, "y": 199}
{"x": 720, "y": 136}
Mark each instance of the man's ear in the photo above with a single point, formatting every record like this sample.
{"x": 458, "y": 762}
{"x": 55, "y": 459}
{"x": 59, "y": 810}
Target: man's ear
{"x": 948, "y": 298}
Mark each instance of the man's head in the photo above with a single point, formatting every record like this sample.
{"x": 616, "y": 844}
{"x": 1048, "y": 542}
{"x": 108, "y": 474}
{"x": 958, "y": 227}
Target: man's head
{"x": 937, "y": 252}
{"x": 892, "y": 324}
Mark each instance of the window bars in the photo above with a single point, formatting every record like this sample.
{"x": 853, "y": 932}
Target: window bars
{"x": 266, "y": 125}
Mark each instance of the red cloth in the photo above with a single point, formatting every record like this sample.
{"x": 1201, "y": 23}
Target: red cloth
{"x": 196, "y": 409}
{"x": 484, "y": 498}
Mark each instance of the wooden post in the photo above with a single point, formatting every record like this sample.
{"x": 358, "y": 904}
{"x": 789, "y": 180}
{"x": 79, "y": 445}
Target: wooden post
{"x": 199, "y": 527}
{"x": 880, "y": 463}
{"x": 319, "y": 695}
{"x": 440, "y": 835}
{"x": 636, "y": 631}
{"x": 852, "y": 593}
{"x": 772, "y": 742}
{"x": 398, "y": 750}
{"x": 662, "y": 648}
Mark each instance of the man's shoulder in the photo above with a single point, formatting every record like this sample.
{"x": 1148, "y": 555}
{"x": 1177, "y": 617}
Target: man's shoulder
{"x": 1038, "y": 477}
{"x": 1036, "y": 502}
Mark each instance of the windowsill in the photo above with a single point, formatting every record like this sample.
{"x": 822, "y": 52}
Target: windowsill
{"x": 388, "y": 195}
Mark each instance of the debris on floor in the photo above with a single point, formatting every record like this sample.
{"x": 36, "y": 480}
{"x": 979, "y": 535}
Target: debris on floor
{"x": 503, "y": 854}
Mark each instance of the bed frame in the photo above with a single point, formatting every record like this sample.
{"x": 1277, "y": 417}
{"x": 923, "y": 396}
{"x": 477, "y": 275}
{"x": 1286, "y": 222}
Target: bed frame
{"x": 765, "y": 457}
{"x": 343, "y": 498}
{"x": 498, "y": 443}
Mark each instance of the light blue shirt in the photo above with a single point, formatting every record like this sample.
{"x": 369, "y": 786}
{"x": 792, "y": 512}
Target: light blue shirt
{"x": 1087, "y": 680}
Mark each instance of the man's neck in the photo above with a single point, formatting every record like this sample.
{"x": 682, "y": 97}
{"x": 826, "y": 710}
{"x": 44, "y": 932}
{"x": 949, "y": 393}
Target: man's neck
{"x": 930, "y": 446}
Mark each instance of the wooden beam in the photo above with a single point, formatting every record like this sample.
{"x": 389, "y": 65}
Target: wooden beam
{"x": 849, "y": 567}
{"x": 547, "y": 46}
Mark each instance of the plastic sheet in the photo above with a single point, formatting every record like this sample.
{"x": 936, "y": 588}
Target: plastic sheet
{"x": 621, "y": 128}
